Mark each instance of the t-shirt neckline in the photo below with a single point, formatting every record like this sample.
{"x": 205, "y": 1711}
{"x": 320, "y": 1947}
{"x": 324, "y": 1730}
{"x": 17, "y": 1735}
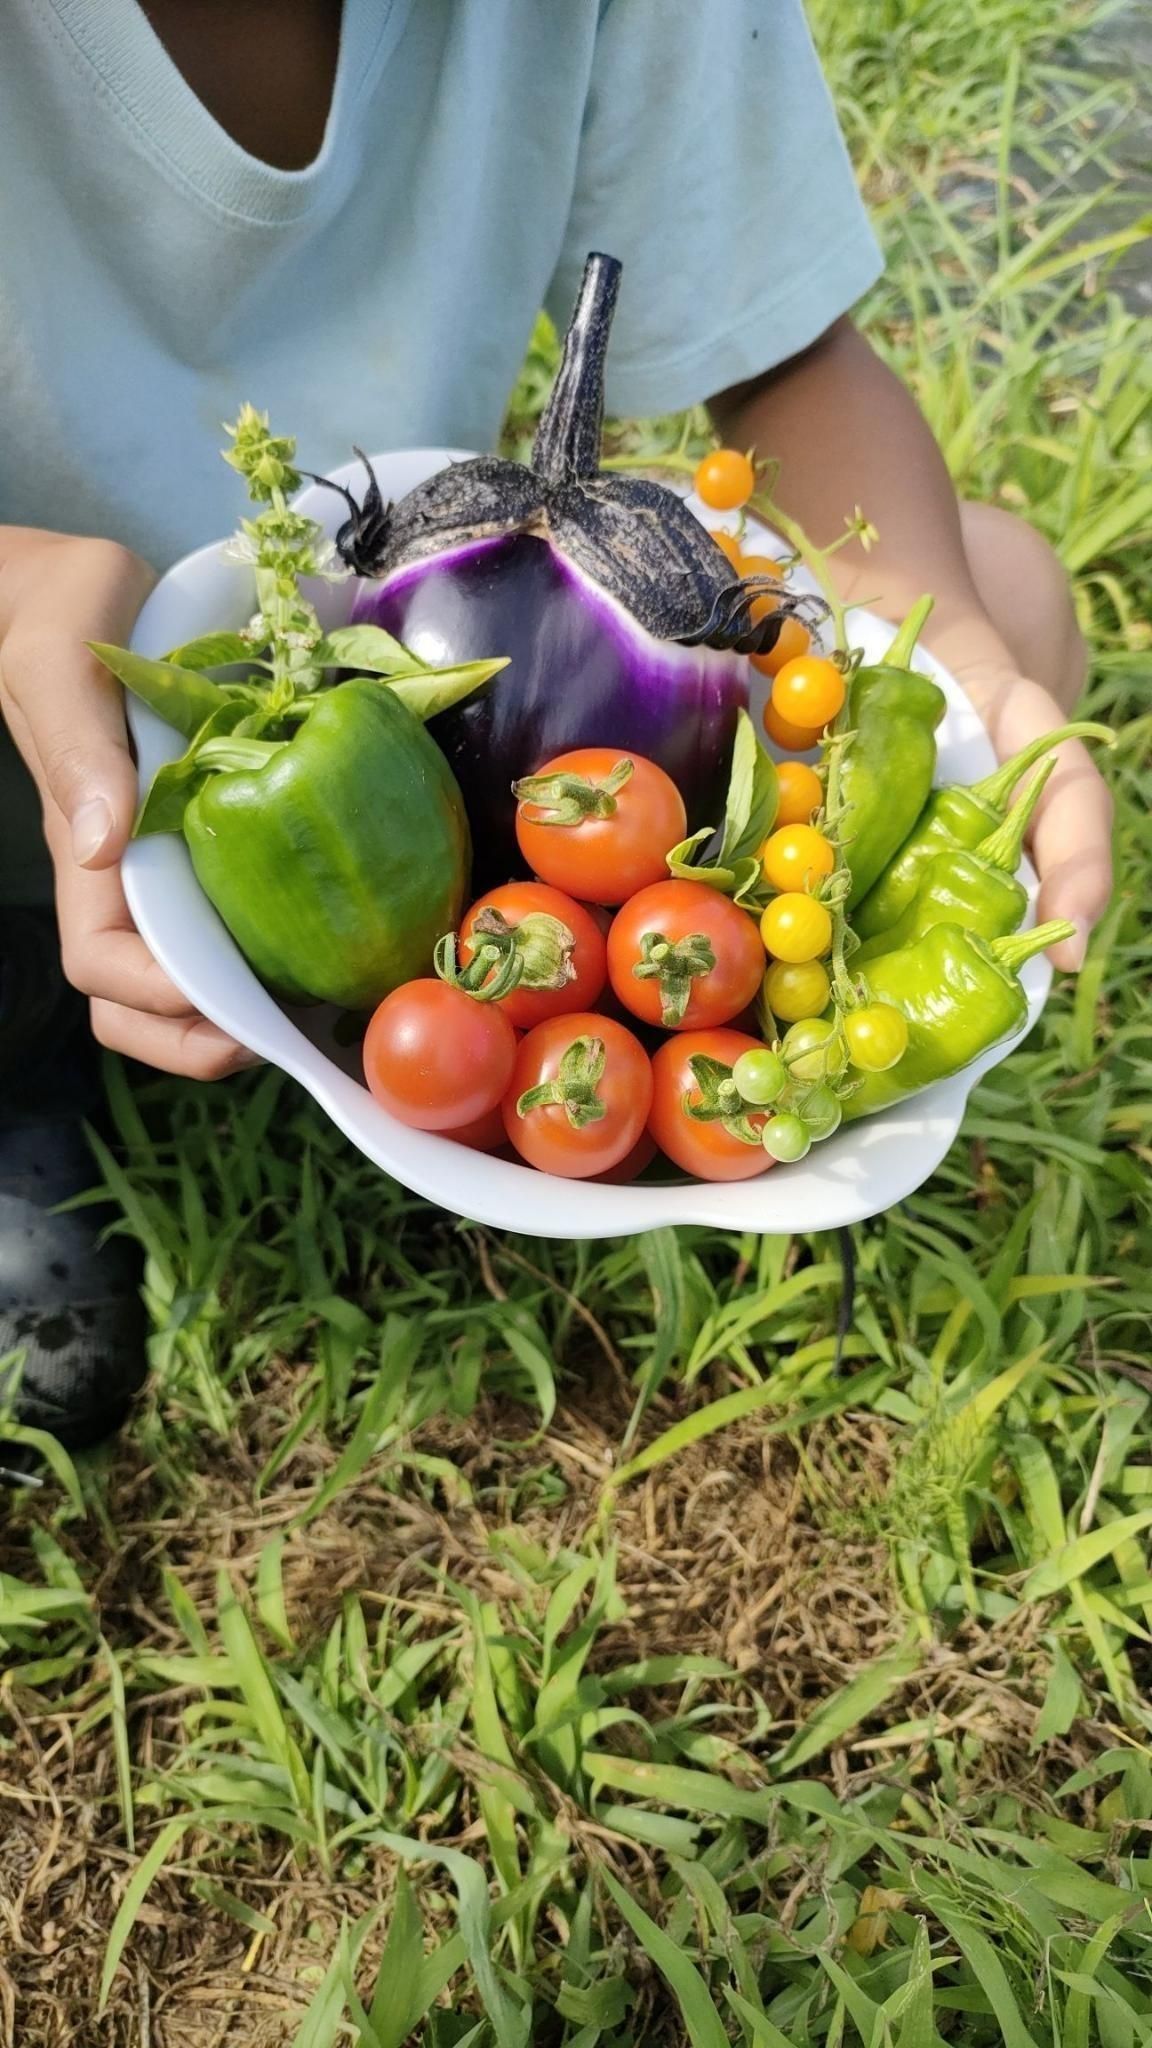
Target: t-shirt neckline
{"x": 154, "y": 98}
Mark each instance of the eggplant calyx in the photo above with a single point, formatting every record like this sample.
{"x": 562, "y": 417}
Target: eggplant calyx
{"x": 574, "y": 1086}
{"x": 720, "y": 1100}
{"x": 544, "y": 946}
{"x": 570, "y": 799}
{"x": 675, "y": 965}
{"x": 363, "y": 538}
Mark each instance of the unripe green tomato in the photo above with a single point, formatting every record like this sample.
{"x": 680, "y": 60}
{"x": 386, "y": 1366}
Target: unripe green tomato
{"x": 786, "y": 1138}
{"x": 814, "y": 1050}
{"x": 822, "y": 1113}
{"x": 760, "y": 1076}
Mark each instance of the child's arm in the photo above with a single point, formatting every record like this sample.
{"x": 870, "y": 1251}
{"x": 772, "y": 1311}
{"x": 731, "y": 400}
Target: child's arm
{"x": 846, "y": 434}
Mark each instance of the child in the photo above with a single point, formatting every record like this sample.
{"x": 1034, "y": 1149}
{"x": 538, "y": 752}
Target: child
{"x": 350, "y": 216}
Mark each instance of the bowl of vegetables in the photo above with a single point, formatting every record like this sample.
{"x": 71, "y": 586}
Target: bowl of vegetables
{"x": 456, "y": 808}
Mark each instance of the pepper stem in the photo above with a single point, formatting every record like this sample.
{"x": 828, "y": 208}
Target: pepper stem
{"x": 675, "y": 966}
{"x": 574, "y": 1088}
{"x": 569, "y": 799}
{"x": 995, "y": 789}
{"x": 899, "y": 655}
{"x": 567, "y": 444}
{"x": 1012, "y": 952}
{"x": 1003, "y": 847}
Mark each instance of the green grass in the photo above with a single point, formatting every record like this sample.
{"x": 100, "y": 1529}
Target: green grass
{"x": 480, "y": 1640}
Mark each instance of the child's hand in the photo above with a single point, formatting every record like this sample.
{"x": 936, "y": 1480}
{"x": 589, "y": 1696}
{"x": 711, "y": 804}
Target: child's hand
{"x": 1071, "y": 838}
{"x": 66, "y": 715}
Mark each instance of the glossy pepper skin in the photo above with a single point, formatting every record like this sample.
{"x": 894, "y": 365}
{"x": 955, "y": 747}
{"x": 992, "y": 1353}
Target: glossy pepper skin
{"x": 888, "y": 768}
{"x": 960, "y": 995}
{"x": 977, "y": 891}
{"x": 339, "y": 862}
{"x": 953, "y": 816}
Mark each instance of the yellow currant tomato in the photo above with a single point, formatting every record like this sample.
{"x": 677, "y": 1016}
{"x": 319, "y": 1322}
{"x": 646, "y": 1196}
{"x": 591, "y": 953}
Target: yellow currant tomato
{"x": 794, "y": 739}
{"x": 794, "y": 990}
{"x": 729, "y": 544}
{"x": 791, "y": 642}
{"x": 795, "y": 857}
{"x": 725, "y": 480}
{"x": 877, "y": 1037}
{"x": 808, "y": 691}
{"x": 796, "y": 927}
{"x": 801, "y": 793}
{"x": 761, "y": 565}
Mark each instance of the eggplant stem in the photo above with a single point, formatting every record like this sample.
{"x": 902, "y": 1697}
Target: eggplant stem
{"x": 567, "y": 445}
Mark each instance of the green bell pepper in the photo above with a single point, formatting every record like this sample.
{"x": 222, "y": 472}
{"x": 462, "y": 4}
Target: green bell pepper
{"x": 960, "y": 995}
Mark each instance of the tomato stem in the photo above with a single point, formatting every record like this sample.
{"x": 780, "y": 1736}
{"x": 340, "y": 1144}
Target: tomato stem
{"x": 675, "y": 966}
{"x": 574, "y": 1087}
{"x": 570, "y": 799}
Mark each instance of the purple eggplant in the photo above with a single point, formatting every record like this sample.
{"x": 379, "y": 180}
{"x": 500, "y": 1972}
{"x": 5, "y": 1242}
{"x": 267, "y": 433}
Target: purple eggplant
{"x": 624, "y": 622}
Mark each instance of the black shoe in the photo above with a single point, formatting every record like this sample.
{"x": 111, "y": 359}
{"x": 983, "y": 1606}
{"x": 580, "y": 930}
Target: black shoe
{"x": 70, "y": 1306}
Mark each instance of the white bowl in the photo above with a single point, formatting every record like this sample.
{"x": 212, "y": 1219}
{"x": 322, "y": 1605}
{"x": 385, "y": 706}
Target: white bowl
{"x": 864, "y": 1169}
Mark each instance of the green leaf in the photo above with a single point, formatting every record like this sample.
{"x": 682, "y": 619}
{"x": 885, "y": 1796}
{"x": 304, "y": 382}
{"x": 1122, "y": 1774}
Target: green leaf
{"x": 753, "y": 796}
{"x": 179, "y": 696}
{"x": 174, "y": 786}
{"x": 989, "y": 1972}
{"x": 1073, "y": 1559}
{"x": 846, "y": 1709}
{"x": 366, "y": 647}
{"x": 694, "y": 1791}
{"x": 430, "y": 691}
{"x": 1062, "y": 1700}
{"x": 705, "y": 2027}
{"x": 750, "y": 810}
{"x": 135, "y": 1893}
{"x": 211, "y": 650}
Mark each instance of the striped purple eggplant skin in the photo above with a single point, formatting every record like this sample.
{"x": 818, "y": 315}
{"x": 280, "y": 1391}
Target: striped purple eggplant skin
{"x": 584, "y": 675}
{"x": 624, "y": 624}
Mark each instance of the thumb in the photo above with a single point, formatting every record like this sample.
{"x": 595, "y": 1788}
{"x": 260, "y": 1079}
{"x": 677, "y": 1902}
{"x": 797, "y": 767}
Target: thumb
{"x": 66, "y": 712}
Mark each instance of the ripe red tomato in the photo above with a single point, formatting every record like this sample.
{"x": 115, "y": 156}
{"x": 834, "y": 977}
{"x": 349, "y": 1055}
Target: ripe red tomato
{"x": 707, "y": 1150}
{"x": 601, "y": 859}
{"x": 642, "y": 1154}
{"x": 694, "y": 923}
{"x": 581, "y": 967}
{"x": 600, "y": 1080}
{"x": 484, "y": 1134}
{"x": 435, "y": 1058}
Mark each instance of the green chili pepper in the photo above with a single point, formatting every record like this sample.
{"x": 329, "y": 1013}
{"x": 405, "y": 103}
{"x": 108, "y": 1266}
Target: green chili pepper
{"x": 961, "y": 996}
{"x": 955, "y": 816}
{"x": 978, "y": 890}
{"x": 892, "y": 714}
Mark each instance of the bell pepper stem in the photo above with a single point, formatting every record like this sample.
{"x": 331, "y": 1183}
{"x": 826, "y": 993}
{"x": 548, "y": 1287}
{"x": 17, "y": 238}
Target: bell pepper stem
{"x": 903, "y": 647}
{"x": 1003, "y": 847}
{"x": 995, "y": 789}
{"x": 1012, "y": 952}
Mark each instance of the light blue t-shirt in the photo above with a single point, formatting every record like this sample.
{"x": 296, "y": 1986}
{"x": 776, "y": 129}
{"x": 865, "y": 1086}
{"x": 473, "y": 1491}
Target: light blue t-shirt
{"x": 153, "y": 275}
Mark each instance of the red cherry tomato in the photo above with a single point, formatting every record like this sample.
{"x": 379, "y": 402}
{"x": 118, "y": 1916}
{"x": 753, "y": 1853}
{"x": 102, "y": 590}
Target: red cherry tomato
{"x": 642, "y": 1154}
{"x": 580, "y": 967}
{"x": 585, "y": 1063}
{"x": 690, "y": 925}
{"x": 707, "y": 1150}
{"x": 484, "y": 1134}
{"x": 602, "y": 859}
{"x": 435, "y": 1058}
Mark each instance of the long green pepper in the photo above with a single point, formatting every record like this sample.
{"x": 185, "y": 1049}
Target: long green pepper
{"x": 957, "y": 815}
{"x": 960, "y": 995}
{"x": 892, "y": 713}
{"x": 978, "y": 891}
